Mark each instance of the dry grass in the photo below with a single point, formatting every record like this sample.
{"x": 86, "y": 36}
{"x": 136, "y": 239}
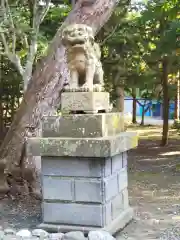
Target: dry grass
{"x": 153, "y": 132}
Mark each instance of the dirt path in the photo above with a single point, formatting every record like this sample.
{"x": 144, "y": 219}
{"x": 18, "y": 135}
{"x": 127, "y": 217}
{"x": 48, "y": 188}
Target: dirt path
{"x": 154, "y": 192}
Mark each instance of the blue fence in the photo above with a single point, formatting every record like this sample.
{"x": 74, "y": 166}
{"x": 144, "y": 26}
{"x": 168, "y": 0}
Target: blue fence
{"x": 154, "y": 108}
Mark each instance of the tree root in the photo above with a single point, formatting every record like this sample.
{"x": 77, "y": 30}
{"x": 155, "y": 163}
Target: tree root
{"x": 20, "y": 181}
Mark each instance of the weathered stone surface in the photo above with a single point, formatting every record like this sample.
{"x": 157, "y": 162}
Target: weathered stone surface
{"x": 100, "y": 235}
{"x": 24, "y": 233}
{"x": 83, "y": 125}
{"x": 83, "y": 56}
{"x": 40, "y": 233}
{"x": 89, "y": 102}
{"x": 9, "y": 231}
{"x": 56, "y": 236}
{"x": 79, "y": 147}
{"x": 1, "y": 234}
{"x": 76, "y": 235}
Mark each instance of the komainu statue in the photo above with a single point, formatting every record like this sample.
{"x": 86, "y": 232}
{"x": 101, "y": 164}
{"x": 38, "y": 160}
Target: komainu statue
{"x": 83, "y": 58}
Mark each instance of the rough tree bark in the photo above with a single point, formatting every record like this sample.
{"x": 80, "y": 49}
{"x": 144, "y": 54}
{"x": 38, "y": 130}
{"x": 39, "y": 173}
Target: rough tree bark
{"x": 164, "y": 140}
{"x": 120, "y": 98}
{"x": 43, "y": 97}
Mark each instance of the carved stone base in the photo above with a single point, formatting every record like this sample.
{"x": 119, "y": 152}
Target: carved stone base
{"x": 83, "y": 125}
{"x": 88, "y": 102}
{"x": 82, "y": 147}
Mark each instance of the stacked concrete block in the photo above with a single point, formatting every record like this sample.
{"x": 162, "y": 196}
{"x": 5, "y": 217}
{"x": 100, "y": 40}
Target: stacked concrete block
{"x": 84, "y": 170}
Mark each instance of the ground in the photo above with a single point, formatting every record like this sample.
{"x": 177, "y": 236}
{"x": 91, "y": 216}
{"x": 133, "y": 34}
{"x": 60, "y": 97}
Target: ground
{"x": 154, "y": 190}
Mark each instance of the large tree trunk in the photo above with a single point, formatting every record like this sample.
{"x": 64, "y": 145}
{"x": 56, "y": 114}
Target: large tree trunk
{"x": 177, "y": 100}
{"x": 120, "y": 98}
{"x": 134, "y": 106}
{"x": 143, "y": 114}
{"x": 43, "y": 97}
{"x": 164, "y": 140}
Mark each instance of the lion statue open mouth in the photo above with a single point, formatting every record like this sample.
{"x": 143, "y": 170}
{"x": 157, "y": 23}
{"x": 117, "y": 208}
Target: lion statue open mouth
{"x": 83, "y": 57}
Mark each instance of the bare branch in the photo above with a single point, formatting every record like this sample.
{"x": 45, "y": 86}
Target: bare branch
{"x": 37, "y": 19}
{"x": 3, "y": 9}
{"x": 29, "y": 62}
{"x": 11, "y": 56}
{"x": 17, "y": 62}
{"x": 6, "y": 47}
{"x": 111, "y": 34}
{"x": 12, "y": 25}
{"x": 45, "y": 10}
{"x": 39, "y": 15}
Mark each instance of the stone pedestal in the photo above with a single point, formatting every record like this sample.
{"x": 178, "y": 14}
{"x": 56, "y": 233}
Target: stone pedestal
{"x": 88, "y": 102}
{"x": 84, "y": 171}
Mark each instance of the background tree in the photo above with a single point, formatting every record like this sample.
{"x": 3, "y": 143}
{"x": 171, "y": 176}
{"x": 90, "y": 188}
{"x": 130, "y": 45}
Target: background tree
{"x": 43, "y": 97}
{"x": 161, "y": 30}
{"x": 20, "y": 23}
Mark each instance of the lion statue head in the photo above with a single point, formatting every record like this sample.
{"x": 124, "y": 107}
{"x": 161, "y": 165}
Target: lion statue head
{"x": 77, "y": 34}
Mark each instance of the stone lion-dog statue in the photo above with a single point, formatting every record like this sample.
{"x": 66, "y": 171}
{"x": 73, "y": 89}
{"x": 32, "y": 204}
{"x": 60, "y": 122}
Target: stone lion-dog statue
{"x": 83, "y": 58}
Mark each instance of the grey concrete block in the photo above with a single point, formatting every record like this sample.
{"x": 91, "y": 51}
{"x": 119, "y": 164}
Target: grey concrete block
{"x": 57, "y": 188}
{"x": 117, "y": 205}
{"x": 88, "y": 190}
{"x": 73, "y": 213}
{"x": 107, "y": 211}
{"x": 107, "y": 167}
{"x": 125, "y": 159}
{"x": 71, "y": 166}
{"x": 122, "y": 179}
{"x": 125, "y": 198}
{"x": 75, "y": 235}
{"x": 110, "y": 187}
{"x": 115, "y": 226}
{"x": 120, "y": 222}
{"x": 117, "y": 162}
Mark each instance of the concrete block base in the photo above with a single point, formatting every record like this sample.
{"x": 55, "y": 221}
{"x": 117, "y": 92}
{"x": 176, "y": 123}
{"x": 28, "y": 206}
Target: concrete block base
{"x": 84, "y": 177}
{"x": 85, "y": 193}
{"x": 115, "y": 226}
